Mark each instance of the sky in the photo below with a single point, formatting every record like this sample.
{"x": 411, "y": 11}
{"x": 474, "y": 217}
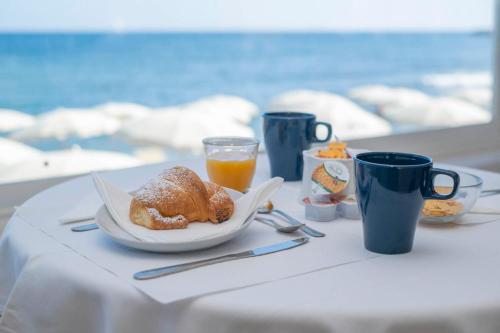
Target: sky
{"x": 246, "y": 15}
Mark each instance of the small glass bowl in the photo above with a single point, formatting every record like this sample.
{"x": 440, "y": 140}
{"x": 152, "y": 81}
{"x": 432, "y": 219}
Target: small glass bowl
{"x": 467, "y": 194}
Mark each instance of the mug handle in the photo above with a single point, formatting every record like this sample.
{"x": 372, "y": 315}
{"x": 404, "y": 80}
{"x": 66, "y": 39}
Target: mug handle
{"x": 432, "y": 194}
{"x": 328, "y": 136}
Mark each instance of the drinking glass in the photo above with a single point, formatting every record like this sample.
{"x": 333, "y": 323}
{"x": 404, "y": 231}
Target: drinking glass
{"x": 231, "y": 161}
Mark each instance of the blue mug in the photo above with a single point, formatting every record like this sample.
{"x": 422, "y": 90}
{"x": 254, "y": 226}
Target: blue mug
{"x": 391, "y": 189}
{"x": 286, "y": 135}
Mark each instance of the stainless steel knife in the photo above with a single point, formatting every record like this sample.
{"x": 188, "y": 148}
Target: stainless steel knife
{"x": 167, "y": 270}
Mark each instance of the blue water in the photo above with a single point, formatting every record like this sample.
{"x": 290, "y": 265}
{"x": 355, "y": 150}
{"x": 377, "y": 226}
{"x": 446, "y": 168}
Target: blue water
{"x": 39, "y": 72}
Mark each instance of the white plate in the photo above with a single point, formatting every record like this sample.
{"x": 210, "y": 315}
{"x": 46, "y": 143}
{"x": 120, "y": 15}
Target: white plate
{"x": 177, "y": 244}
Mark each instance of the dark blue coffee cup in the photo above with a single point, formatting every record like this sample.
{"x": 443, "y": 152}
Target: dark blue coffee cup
{"x": 391, "y": 189}
{"x": 286, "y": 135}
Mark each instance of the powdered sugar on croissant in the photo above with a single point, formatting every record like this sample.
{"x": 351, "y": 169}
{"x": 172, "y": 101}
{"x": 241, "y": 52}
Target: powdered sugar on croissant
{"x": 176, "y": 197}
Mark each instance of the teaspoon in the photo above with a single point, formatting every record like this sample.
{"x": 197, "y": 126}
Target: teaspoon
{"x": 285, "y": 229}
{"x": 269, "y": 209}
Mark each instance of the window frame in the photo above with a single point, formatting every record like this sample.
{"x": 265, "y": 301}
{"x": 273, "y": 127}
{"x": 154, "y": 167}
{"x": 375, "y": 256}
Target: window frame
{"x": 457, "y": 143}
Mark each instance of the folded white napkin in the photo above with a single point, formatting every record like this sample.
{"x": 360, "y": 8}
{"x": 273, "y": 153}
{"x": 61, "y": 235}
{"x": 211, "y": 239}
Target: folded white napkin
{"x": 84, "y": 210}
{"x": 117, "y": 202}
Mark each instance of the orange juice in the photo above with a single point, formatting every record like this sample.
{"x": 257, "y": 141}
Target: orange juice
{"x": 231, "y": 170}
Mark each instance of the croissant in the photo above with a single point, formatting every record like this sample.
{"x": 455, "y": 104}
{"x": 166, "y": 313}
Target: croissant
{"x": 176, "y": 198}
{"x": 220, "y": 204}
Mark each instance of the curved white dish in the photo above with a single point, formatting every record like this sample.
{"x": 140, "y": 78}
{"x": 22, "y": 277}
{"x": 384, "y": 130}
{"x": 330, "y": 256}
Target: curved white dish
{"x": 111, "y": 229}
{"x": 441, "y": 219}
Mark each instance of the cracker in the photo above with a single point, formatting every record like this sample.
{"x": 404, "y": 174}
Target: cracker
{"x": 440, "y": 208}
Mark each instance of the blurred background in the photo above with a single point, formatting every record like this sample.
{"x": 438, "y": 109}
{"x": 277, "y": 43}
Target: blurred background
{"x": 102, "y": 84}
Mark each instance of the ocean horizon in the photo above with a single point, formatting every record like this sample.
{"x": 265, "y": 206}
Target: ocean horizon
{"x": 41, "y": 72}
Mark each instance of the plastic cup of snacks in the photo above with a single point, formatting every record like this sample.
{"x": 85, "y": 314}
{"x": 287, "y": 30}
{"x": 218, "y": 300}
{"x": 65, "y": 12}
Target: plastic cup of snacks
{"x": 321, "y": 208}
{"x": 348, "y": 208}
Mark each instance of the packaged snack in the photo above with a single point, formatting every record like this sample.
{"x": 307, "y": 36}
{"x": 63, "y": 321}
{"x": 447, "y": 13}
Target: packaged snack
{"x": 328, "y": 171}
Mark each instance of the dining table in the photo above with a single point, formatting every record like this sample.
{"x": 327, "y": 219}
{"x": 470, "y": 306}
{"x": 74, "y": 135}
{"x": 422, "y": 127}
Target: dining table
{"x": 55, "y": 280}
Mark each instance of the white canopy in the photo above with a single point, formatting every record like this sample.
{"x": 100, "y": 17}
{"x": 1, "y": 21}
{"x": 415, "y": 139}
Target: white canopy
{"x": 182, "y": 128}
{"x": 63, "y": 123}
{"x": 459, "y": 79}
{"x": 349, "y": 121}
{"x": 12, "y": 152}
{"x": 379, "y": 95}
{"x": 480, "y": 96}
{"x": 11, "y": 120}
{"x": 123, "y": 111}
{"x": 66, "y": 162}
{"x": 441, "y": 111}
{"x": 232, "y": 107}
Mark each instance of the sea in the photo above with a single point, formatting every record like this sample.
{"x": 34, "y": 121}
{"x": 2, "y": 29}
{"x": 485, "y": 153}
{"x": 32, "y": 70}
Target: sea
{"x": 40, "y": 72}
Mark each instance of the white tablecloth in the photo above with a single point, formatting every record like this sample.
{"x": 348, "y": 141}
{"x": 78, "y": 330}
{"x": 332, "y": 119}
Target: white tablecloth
{"x": 450, "y": 282}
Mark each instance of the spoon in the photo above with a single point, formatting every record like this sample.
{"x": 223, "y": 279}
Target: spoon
{"x": 285, "y": 229}
{"x": 487, "y": 193}
{"x": 486, "y": 211}
{"x": 268, "y": 208}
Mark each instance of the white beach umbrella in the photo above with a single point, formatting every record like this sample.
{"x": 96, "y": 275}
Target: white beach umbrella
{"x": 349, "y": 121}
{"x": 63, "y": 123}
{"x": 66, "y": 162}
{"x": 150, "y": 154}
{"x": 12, "y": 152}
{"x": 479, "y": 96}
{"x": 459, "y": 79}
{"x": 379, "y": 95}
{"x": 440, "y": 111}
{"x": 11, "y": 120}
{"x": 233, "y": 107}
{"x": 123, "y": 111}
{"x": 181, "y": 128}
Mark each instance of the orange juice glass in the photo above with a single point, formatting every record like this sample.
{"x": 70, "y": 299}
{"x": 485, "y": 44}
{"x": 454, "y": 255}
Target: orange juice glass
{"x": 231, "y": 161}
